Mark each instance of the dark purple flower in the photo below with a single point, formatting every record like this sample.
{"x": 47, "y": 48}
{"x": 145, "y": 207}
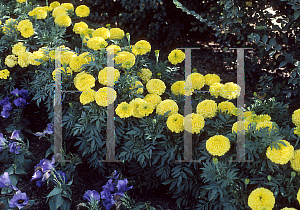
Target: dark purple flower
{"x": 4, "y": 101}
{"x": 61, "y": 176}
{"x": 2, "y": 142}
{"x": 5, "y": 181}
{"x": 49, "y": 129}
{"x": 122, "y": 187}
{"x": 105, "y": 194}
{"x": 115, "y": 174}
{"x": 14, "y": 148}
{"x": 20, "y": 102}
{"x": 91, "y": 195}
{"x": 37, "y": 176}
{"x": 16, "y": 135}
{"x": 45, "y": 165}
{"x": 16, "y": 92}
{"x": 19, "y": 200}
{"x": 24, "y": 93}
{"x": 108, "y": 203}
{"x": 109, "y": 186}
{"x": 6, "y": 109}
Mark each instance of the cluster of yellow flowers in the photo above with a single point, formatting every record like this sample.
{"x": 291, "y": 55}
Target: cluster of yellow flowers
{"x": 141, "y": 108}
{"x": 192, "y": 123}
{"x": 4, "y": 74}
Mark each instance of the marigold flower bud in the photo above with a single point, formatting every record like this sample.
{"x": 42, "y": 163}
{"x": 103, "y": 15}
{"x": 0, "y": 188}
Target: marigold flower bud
{"x": 269, "y": 177}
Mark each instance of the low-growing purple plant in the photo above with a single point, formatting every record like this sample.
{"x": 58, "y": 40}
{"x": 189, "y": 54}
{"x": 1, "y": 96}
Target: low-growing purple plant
{"x": 42, "y": 171}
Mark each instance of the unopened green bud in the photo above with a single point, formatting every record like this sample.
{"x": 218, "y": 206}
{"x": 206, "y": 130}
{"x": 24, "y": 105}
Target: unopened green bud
{"x": 195, "y": 70}
{"x": 269, "y": 177}
{"x": 158, "y": 74}
{"x": 293, "y": 174}
{"x": 154, "y": 121}
{"x": 215, "y": 160}
{"x": 108, "y": 26}
{"x": 156, "y": 53}
{"x": 247, "y": 181}
{"x": 255, "y": 94}
{"x": 71, "y": 105}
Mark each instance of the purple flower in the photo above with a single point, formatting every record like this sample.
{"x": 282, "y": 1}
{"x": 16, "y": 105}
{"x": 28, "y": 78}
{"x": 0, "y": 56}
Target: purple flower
{"x": 115, "y": 174}
{"x": 16, "y": 135}
{"x": 91, "y": 195}
{"x": 14, "y": 148}
{"x": 5, "y": 181}
{"x": 45, "y": 165}
{"x": 16, "y": 92}
{"x": 24, "y": 93}
{"x": 37, "y": 176}
{"x": 109, "y": 186}
{"x": 108, "y": 203}
{"x": 4, "y": 101}
{"x": 49, "y": 129}
{"x": 122, "y": 187}
{"x": 2, "y": 142}
{"x": 20, "y": 102}
{"x": 19, "y": 200}
{"x": 61, "y": 176}
{"x": 6, "y": 109}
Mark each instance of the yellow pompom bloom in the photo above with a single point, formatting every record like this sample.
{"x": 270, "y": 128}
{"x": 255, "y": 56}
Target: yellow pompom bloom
{"x": 105, "y": 96}
{"x": 116, "y": 33}
{"x": 230, "y": 91}
{"x": 27, "y": 31}
{"x": 145, "y": 108}
{"x": 141, "y": 47}
{"x": 296, "y": 117}
{"x": 79, "y": 27}
{"x": 21, "y": 1}
{"x": 261, "y": 198}
{"x": 295, "y": 160}
{"x": 145, "y": 75}
{"x": 82, "y": 11}
{"x": 124, "y": 110}
{"x": 59, "y": 11}
{"x": 69, "y": 6}
{"x": 179, "y": 87}
{"x": 218, "y": 145}
{"x": 101, "y": 32}
{"x": 269, "y": 125}
{"x": 127, "y": 59}
{"x": 153, "y": 99}
{"x": 38, "y": 13}
{"x": 282, "y": 155}
{"x": 102, "y": 76}
{"x": 63, "y": 20}
{"x": 84, "y": 81}
{"x": 175, "y": 123}
{"x": 4, "y": 74}
{"x": 298, "y": 196}
{"x": 76, "y": 63}
{"x": 193, "y": 123}
{"x": 87, "y": 96}
{"x": 11, "y": 61}
{"x": 44, "y": 50}
{"x": 156, "y": 86}
{"x": 24, "y": 23}
{"x": 244, "y": 124}
{"x": 248, "y": 114}
{"x": 176, "y": 56}
{"x": 66, "y": 57}
{"x": 54, "y": 4}
{"x": 18, "y": 49}
{"x": 227, "y": 107}
{"x": 113, "y": 48}
{"x": 136, "y": 103}
{"x": 96, "y": 43}
{"x": 25, "y": 59}
{"x": 215, "y": 89}
{"x": 86, "y": 57}
{"x": 165, "y": 106}
{"x": 263, "y": 118}
{"x": 207, "y": 108}
{"x": 297, "y": 130}
{"x": 37, "y": 55}
{"x": 197, "y": 80}
{"x": 211, "y": 79}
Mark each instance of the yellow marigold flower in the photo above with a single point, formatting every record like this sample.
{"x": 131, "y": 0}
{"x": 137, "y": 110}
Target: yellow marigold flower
{"x": 207, "y": 108}
{"x": 194, "y": 123}
{"x": 25, "y": 59}
{"x": 298, "y": 196}
{"x": 24, "y": 23}
{"x": 96, "y": 43}
{"x": 269, "y": 125}
{"x": 211, "y": 79}
{"x": 82, "y": 11}
{"x": 227, "y": 107}
{"x": 295, "y": 160}
{"x": 48, "y": 8}
{"x": 59, "y": 11}
{"x": 11, "y": 61}
{"x": 79, "y": 27}
{"x": 197, "y": 80}
{"x": 141, "y": 47}
{"x": 37, "y": 55}
{"x": 248, "y": 114}
{"x": 66, "y": 57}
{"x": 63, "y": 20}
{"x": 87, "y": 97}
{"x": 296, "y": 117}
{"x": 176, "y": 56}
{"x": 124, "y": 110}
{"x": 263, "y": 118}
{"x": 145, "y": 108}
{"x": 136, "y": 103}
{"x": 127, "y": 59}
{"x": 113, "y": 47}
{"x": 4, "y": 74}
{"x": 297, "y": 130}
{"x": 230, "y": 90}
{"x": 138, "y": 90}
{"x": 63, "y": 72}
{"x": 244, "y": 124}
{"x": 215, "y": 89}
{"x": 282, "y": 155}
{"x": 175, "y": 123}
{"x": 156, "y": 86}
{"x": 54, "y": 4}
{"x": 38, "y": 12}
{"x": 116, "y": 33}
{"x": 179, "y": 87}
{"x": 105, "y": 96}
{"x": 102, "y": 76}
{"x": 76, "y": 63}
{"x": 21, "y": 1}
{"x": 261, "y": 198}
{"x": 165, "y": 106}
{"x": 218, "y": 145}
{"x": 145, "y": 75}
{"x": 153, "y": 99}
{"x": 44, "y": 50}
{"x": 287, "y": 208}
{"x": 84, "y": 81}
{"x": 69, "y": 6}
{"x": 101, "y": 32}
{"x": 253, "y": 118}
{"x": 27, "y": 31}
